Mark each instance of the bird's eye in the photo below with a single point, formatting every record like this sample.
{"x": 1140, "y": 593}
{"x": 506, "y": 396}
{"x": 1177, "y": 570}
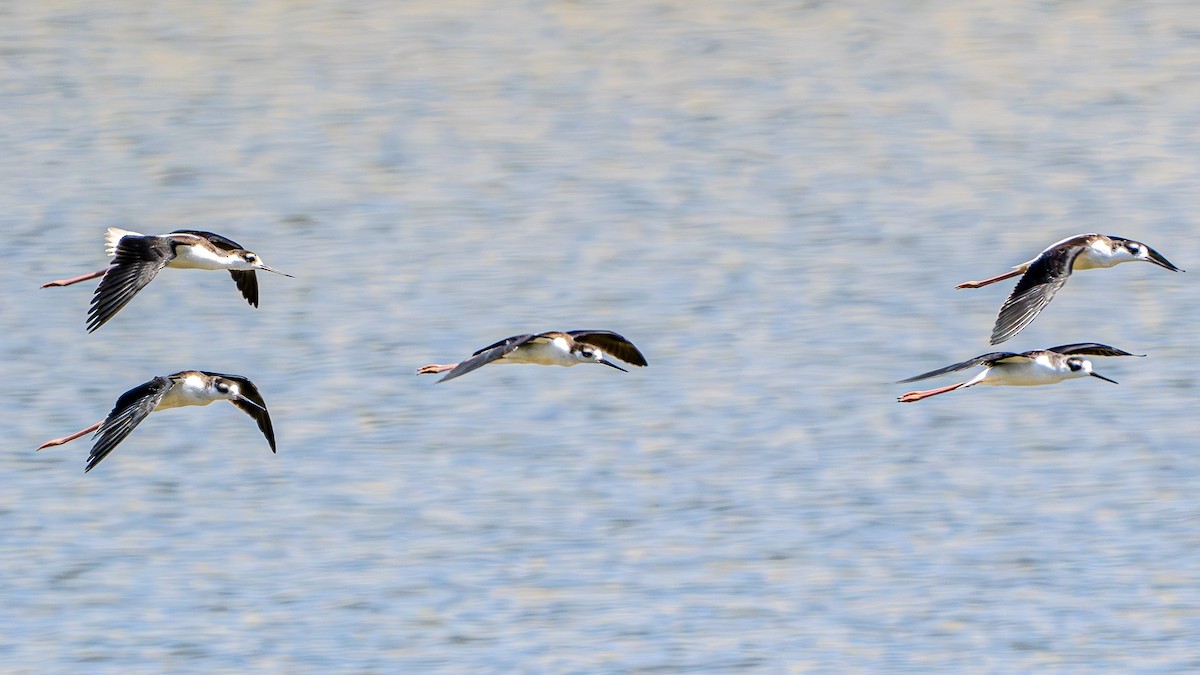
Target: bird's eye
{"x": 223, "y": 387}
{"x": 1133, "y": 247}
{"x": 250, "y": 257}
{"x": 587, "y": 353}
{"x": 1074, "y": 364}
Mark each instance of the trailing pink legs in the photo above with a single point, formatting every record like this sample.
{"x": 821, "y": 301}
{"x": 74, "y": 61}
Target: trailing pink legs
{"x": 914, "y": 396}
{"x": 75, "y": 280}
{"x": 68, "y": 439}
{"x": 985, "y": 282}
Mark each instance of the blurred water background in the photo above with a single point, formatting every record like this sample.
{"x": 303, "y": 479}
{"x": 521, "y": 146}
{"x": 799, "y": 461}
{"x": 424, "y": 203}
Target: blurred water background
{"x": 773, "y": 200}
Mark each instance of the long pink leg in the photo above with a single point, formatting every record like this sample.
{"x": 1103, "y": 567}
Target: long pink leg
{"x": 68, "y": 439}
{"x": 75, "y": 280}
{"x": 435, "y": 368}
{"x": 914, "y": 396}
{"x": 985, "y": 282}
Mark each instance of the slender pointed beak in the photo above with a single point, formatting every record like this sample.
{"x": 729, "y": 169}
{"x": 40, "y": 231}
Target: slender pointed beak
{"x": 1156, "y": 258}
{"x": 1104, "y": 378}
{"x": 610, "y": 363}
{"x": 272, "y": 269}
{"x": 246, "y": 400}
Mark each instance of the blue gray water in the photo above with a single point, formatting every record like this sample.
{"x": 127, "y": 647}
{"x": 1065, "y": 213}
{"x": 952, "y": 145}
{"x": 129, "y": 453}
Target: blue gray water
{"x": 774, "y": 200}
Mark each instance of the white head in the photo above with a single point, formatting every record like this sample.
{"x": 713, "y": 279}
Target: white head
{"x": 226, "y": 388}
{"x": 1128, "y": 250}
{"x": 588, "y": 354}
{"x": 1077, "y": 367}
{"x": 249, "y": 260}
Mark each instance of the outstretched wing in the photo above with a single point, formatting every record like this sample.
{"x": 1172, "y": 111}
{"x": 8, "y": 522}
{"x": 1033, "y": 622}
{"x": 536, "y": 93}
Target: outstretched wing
{"x": 247, "y": 283}
{"x": 610, "y": 343}
{"x": 488, "y": 354}
{"x": 257, "y": 408}
{"x": 1046, "y": 274}
{"x": 246, "y": 280}
{"x": 982, "y": 360}
{"x": 136, "y": 262}
{"x": 1090, "y": 349}
{"x": 131, "y": 408}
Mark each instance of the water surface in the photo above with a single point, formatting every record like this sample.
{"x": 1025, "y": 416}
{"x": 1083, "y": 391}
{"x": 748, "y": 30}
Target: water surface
{"x": 773, "y": 200}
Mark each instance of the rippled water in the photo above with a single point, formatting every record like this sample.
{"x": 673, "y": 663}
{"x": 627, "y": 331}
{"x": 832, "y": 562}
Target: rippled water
{"x": 773, "y": 200}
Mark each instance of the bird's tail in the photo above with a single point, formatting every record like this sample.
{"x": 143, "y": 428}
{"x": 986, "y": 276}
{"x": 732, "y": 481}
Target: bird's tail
{"x": 112, "y": 236}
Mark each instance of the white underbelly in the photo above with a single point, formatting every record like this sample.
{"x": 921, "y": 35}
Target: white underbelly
{"x": 542, "y": 354}
{"x": 190, "y": 391}
{"x": 1095, "y": 257}
{"x": 198, "y": 258}
{"x": 1028, "y": 374}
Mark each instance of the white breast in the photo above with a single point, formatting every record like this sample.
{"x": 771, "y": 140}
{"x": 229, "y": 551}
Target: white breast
{"x": 1100, "y": 254}
{"x": 1025, "y": 373}
{"x": 555, "y": 352}
{"x": 191, "y": 390}
{"x": 197, "y": 257}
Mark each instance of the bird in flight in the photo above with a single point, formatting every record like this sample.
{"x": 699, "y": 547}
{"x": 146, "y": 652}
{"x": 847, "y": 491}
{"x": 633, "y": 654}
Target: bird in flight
{"x": 552, "y": 348}
{"x": 1044, "y": 275}
{"x": 138, "y": 258}
{"x": 188, "y": 387}
{"x": 1032, "y": 368}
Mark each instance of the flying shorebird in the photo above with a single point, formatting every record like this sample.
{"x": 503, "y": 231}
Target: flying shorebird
{"x": 1027, "y": 369}
{"x": 187, "y": 387}
{"x": 137, "y": 258}
{"x": 1047, "y": 273}
{"x": 552, "y": 348}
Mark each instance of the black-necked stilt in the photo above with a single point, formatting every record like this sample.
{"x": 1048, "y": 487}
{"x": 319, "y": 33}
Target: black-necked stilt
{"x": 1027, "y": 369}
{"x": 552, "y": 348}
{"x": 188, "y": 387}
{"x": 1047, "y": 273}
{"x": 137, "y": 258}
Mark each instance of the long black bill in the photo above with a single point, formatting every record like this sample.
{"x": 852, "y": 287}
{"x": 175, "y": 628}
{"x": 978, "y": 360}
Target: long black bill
{"x": 1104, "y": 378}
{"x": 610, "y": 363}
{"x": 1156, "y": 258}
{"x": 272, "y": 269}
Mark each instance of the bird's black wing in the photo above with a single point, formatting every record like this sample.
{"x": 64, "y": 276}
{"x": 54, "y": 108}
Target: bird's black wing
{"x": 257, "y": 411}
{"x": 135, "y": 263}
{"x": 247, "y": 283}
{"x": 513, "y": 342}
{"x": 982, "y": 360}
{"x": 1046, "y": 274}
{"x": 488, "y": 354}
{"x": 246, "y": 280}
{"x": 610, "y": 343}
{"x": 131, "y": 408}
{"x": 1090, "y": 349}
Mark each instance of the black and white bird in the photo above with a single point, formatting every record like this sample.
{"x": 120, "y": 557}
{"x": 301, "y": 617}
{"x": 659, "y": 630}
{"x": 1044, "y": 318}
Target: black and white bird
{"x": 1045, "y": 274}
{"x": 1026, "y": 369}
{"x": 552, "y": 348}
{"x": 187, "y": 387}
{"x": 138, "y": 258}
